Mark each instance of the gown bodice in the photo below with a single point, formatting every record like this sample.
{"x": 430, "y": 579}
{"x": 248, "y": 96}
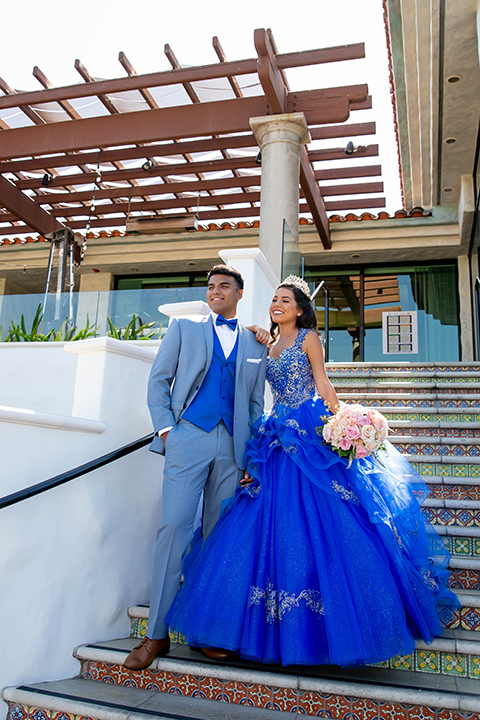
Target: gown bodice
{"x": 290, "y": 376}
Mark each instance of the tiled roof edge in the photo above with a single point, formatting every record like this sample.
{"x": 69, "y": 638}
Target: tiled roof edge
{"x": 349, "y": 217}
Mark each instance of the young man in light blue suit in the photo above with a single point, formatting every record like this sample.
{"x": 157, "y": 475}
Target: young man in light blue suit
{"x": 205, "y": 390}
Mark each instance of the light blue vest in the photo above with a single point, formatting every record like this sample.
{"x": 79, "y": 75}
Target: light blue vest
{"x": 215, "y": 399}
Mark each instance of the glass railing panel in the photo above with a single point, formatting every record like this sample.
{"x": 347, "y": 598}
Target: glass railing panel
{"x": 94, "y": 308}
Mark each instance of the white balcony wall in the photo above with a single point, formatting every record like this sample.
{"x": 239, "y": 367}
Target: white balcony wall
{"x": 76, "y": 556}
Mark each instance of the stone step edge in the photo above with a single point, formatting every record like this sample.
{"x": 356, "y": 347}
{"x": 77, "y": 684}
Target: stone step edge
{"x": 432, "y": 440}
{"x": 426, "y": 411}
{"x": 394, "y": 374}
{"x": 443, "y": 459}
{"x": 451, "y": 504}
{"x": 407, "y": 396}
{"x": 454, "y": 530}
{"x": 382, "y": 693}
{"x": 407, "y": 364}
{"x": 392, "y": 385}
{"x": 435, "y": 425}
{"x": 450, "y": 480}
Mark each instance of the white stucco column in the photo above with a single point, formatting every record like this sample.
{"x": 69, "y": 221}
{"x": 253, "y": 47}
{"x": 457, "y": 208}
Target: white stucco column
{"x": 280, "y": 138}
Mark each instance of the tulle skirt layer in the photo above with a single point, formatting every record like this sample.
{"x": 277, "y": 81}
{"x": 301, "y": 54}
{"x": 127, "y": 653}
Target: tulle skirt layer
{"x": 314, "y": 562}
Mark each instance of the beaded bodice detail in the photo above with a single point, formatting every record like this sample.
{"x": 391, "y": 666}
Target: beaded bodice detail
{"x": 290, "y": 377}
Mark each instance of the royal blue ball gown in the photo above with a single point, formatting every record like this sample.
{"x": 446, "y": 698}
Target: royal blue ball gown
{"x": 315, "y": 563}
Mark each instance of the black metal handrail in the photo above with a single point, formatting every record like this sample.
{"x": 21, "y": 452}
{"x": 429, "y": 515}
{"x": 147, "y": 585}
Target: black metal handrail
{"x": 65, "y": 477}
{"x": 323, "y": 287}
{"x": 477, "y": 313}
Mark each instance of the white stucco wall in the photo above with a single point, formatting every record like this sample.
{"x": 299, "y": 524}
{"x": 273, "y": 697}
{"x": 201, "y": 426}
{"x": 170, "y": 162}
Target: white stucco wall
{"x": 75, "y": 557}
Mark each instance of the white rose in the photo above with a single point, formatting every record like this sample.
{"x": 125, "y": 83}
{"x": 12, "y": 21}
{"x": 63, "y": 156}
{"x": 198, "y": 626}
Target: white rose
{"x": 368, "y": 433}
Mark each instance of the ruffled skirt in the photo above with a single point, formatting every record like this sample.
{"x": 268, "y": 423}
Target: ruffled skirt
{"x": 314, "y": 562}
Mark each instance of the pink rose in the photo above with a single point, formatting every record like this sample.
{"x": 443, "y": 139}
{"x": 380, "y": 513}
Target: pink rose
{"x": 363, "y": 420}
{"x": 345, "y": 443}
{"x": 361, "y": 452}
{"x": 352, "y": 432}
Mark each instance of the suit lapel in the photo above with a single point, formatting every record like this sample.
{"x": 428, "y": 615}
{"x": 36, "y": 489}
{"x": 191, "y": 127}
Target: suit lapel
{"x": 242, "y": 342}
{"x": 208, "y": 331}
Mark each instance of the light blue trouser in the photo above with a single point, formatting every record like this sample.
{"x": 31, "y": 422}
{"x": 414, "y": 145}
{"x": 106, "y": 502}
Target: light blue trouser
{"x": 195, "y": 461}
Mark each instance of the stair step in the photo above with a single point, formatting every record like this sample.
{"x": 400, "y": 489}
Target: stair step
{"x": 431, "y": 676}
{"x": 435, "y": 431}
{"x": 79, "y": 698}
{"x": 381, "y": 399}
{"x": 453, "y": 416}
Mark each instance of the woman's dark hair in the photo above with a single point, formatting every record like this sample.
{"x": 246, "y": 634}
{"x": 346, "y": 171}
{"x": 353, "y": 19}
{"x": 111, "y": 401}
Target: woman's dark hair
{"x": 227, "y": 270}
{"x": 307, "y": 319}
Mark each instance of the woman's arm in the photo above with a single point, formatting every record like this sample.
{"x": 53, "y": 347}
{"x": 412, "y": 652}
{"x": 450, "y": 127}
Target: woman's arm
{"x": 262, "y": 336}
{"x": 314, "y": 349}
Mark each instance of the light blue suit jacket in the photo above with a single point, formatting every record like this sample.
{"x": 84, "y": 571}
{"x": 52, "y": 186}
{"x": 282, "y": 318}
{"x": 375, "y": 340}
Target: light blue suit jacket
{"x": 182, "y": 361}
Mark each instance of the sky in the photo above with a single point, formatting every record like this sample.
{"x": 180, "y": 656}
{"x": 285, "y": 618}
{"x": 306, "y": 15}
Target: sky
{"x": 53, "y": 33}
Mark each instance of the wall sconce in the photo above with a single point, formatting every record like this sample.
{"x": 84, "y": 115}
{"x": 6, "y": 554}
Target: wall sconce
{"x": 47, "y": 179}
{"x": 147, "y": 165}
{"x": 258, "y": 159}
{"x": 351, "y": 149}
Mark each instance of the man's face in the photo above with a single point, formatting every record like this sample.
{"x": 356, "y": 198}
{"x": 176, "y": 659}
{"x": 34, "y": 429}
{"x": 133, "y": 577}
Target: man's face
{"x": 223, "y": 295}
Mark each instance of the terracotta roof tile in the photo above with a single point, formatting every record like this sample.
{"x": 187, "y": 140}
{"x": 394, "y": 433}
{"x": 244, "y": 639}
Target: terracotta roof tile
{"x": 243, "y": 224}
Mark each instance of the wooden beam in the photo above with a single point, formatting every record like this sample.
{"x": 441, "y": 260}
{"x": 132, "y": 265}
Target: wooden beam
{"x": 134, "y": 127}
{"x": 26, "y": 209}
{"x": 172, "y": 77}
{"x": 314, "y": 199}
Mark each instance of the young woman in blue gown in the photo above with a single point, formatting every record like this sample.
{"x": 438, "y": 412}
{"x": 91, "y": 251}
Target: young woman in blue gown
{"x": 314, "y": 562}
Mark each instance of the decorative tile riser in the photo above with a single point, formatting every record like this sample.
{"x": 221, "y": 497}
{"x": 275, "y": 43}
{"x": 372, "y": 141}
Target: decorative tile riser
{"x": 459, "y": 418}
{"x": 464, "y": 579}
{"x": 438, "y": 432}
{"x": 457, "y": 492}
{"x": 427, "y": 369}
{"x": 416, "y": 403}
{"x": 407, "y": 384}
{"x": 420, "y": 448}
{"x": 462, "y": 546}
{"x": 446, "y": 470}
{"x": 437, "y": 663}
{"x": 452, "y": 516}
{"x": 317, "y": 704}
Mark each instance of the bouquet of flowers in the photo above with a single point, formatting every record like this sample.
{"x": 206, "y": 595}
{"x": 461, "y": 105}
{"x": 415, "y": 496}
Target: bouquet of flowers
{"x": 355, "y": 431}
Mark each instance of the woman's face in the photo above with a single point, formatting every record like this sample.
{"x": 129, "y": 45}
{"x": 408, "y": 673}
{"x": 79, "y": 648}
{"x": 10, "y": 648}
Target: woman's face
{"x": 283, "y": 308}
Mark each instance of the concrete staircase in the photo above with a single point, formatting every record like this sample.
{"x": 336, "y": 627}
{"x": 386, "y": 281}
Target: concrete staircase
{"x": 434, "y": 415}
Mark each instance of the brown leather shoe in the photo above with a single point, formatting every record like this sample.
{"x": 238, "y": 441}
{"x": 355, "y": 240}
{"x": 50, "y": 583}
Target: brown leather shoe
{"x": 216, "y": 653}
{"x": 144, "y": 653}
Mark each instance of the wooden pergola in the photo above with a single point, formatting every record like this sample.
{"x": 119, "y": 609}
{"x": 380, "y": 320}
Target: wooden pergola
{"x": 91, "y": 155}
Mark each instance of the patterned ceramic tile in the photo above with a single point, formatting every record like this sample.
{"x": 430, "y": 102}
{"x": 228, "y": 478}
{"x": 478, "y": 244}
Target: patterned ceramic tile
{"x": 403, "y": 662}
{"x": 428, "y": 661}
{"x": 470, "y": 618}
{"x": 211, "y": 687}
{"x": 99, "y": 671}
{"x": 364, "y": 709}
{"x": 236, "y": 691}
{"x": 474, "y": 667}
{"x": 35, "y": 713}
{"x": 17, "y": 712}
{"x": 311, "y": 703}
{"x": 284, "y": 699}
{"x": 453, "y": 664}
{"x": 260, "y": 695}
{"x": 338, "y": 706}
{"x": 120, "y": 675}
{"x": 461, "y": 546}
{"x": 188, "y": 684}
{"x": 421, "y": 712}
{"x": 476, "y": 546}
{"x": 449, "y": 618}
{"x": 392, "y": 711}
{"x": 465, "y": 579}
{"x": 166, "y": 681}
{"x": 450, "y": 714}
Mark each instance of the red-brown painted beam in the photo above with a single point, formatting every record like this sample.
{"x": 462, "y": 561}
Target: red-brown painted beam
{"x": 26, "y": 209}
{"x": 227, "y": 116}
{"x": 314, "y": 198}
{"x": 172, "y": 77}
{"x": 233, "y": 142}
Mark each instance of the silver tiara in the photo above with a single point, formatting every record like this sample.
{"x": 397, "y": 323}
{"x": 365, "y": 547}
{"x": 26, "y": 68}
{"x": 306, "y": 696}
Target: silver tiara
{"x": 298, "y": 283}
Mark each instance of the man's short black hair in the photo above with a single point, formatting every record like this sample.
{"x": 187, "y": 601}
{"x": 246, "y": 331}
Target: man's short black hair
{"x": 226, "y": 270}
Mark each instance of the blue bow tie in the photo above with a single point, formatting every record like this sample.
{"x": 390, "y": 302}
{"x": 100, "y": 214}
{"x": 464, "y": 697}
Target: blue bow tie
{"x": 232, "y": 324}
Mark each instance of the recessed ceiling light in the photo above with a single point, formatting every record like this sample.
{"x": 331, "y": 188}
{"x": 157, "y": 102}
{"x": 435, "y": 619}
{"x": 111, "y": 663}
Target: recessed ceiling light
{"x": 355, "y": 255}
{"x": 191, "y": 263}
{"x": 450, "y": 140}
{"x": 453, "y": 79}
{"x": 447, "y": 189}
{"x": 134, "y": 269}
